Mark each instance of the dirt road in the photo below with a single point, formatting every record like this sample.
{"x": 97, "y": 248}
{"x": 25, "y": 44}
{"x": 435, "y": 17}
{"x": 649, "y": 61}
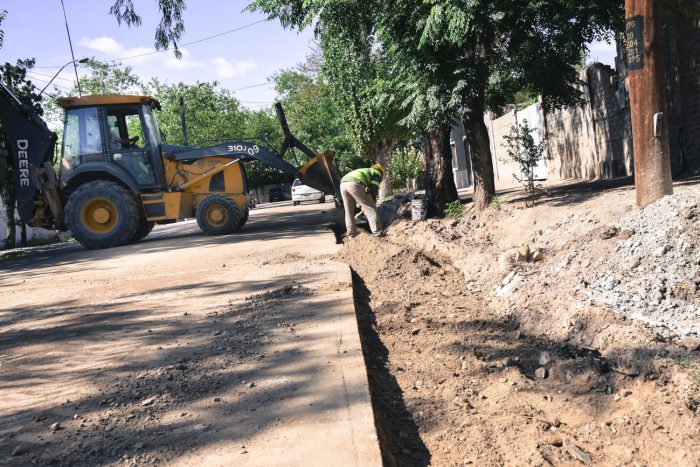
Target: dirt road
{"x": 186, "y": 349}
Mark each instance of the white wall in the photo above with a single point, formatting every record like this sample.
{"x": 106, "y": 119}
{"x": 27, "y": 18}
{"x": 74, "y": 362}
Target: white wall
{"x": 3, "y": 225}
{"x": 31, "y": 232}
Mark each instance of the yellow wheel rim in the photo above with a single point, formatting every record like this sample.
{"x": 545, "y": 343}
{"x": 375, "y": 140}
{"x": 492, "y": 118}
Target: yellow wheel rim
{"x": 99, "y": 215}
{"x": 216, "y": 215}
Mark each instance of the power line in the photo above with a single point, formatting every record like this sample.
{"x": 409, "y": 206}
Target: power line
{"x": 49, "y": 76}
{"x": 252, "y": 86}
{"x": 49, "y": 82}
{"x": 179, "y": 45}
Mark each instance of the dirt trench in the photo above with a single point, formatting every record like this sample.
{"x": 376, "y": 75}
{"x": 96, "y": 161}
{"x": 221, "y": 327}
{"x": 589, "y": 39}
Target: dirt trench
{"x": 459, "y": 376}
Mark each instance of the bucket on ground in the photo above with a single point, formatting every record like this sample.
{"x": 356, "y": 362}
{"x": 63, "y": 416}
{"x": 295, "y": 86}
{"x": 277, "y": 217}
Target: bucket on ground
{"x": 419, "y": 210}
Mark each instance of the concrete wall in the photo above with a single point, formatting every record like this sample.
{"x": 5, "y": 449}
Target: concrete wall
{"x": 683, "y": 65}
{"x": 591, "y": 141}
{"x": 3, "y": 225}
{"x": 461, "y": 163}
{"x": 31, "y": 233}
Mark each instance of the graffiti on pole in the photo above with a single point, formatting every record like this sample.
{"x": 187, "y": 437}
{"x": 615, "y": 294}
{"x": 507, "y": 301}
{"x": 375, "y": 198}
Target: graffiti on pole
{"x": 634, "y": 42}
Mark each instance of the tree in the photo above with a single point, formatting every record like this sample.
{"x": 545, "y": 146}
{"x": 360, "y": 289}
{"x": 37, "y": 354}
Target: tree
{"x": 213, "y": 115}
{"x": 109, "y": 78}
{"x": 485, "y": 51}
{"x": 384, "y": 93}
{"x": 3, "y": 15}
{"x": 262, "y": 127}
{"x": 478, "y": 52}
{"x": 356, "y": 69}
{"x": 313, "y": 114}
{"x": 15, "y": 77}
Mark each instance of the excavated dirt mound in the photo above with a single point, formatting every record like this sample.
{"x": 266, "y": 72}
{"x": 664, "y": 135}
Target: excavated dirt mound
{"x": 496, "y": 339}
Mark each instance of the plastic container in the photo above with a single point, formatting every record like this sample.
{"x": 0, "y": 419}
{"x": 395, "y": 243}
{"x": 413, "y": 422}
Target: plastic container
{"x": 419, "y": 210}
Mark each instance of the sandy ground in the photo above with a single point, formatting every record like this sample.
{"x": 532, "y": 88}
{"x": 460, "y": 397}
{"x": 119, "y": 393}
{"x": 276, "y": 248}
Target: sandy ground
{"x": 478, "y": 357}
{"x": 186, "y": 350}
{"x": 516, "y": 336}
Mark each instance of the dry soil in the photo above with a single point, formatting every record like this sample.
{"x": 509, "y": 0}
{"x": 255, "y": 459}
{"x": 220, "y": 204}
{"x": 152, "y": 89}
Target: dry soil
{"x": 496, "y": 338}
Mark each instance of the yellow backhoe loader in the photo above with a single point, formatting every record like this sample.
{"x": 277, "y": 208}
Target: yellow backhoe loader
{"x": 117, "y": 178}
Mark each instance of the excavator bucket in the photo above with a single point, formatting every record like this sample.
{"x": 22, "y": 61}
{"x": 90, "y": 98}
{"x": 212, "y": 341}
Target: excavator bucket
{"x": 317, "y": 173}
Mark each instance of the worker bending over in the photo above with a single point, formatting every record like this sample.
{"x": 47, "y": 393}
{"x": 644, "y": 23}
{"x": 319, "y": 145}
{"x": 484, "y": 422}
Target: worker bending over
{"x": 362, "y": 186}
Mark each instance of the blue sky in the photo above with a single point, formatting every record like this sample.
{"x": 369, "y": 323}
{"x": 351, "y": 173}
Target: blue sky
{"x": 35, "y": 28}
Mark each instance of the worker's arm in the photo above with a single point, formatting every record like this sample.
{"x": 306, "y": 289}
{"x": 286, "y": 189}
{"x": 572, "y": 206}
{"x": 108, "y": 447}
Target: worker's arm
{"x": 374, "y": 186}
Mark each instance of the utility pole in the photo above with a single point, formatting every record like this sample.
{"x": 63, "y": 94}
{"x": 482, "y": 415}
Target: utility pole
{"x": 647, "y": 92}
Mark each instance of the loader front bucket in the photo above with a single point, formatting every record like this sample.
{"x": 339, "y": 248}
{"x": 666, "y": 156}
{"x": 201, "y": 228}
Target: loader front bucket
{"x": 317, "y": 173}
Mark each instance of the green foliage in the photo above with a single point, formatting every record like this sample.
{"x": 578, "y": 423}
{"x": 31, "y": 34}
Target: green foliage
{"x": 3, "y": 15}
{"x": 312, "y": 113}
{"x": 355, "y": 67}
{"x": 404, "y": 165}
{"x": 523, "y": 150}
{"x": 263, "y": 128}
{"x": 454, "y": 209}
{"x": 109, "y": 78}
{"x": 495, "y": 203}
{"x": 213, "y": 115}
{"x": 171, "y": 26}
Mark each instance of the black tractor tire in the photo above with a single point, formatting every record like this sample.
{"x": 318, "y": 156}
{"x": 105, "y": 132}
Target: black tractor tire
{"x": 218, "y": 215}
{"x": 143, "y": 230}
{"x": 244, "y": 219}
{"x": 322, "y": 199}
{"x": 102, "y": 214}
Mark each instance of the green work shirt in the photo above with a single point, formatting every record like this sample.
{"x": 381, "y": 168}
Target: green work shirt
{"x": 368, "y": 177}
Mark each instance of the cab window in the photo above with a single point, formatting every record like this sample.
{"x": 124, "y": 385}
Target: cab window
{"x": 125, "y": 129}
{"x": 128, "y": 145}
{"x": 81, "y": 135}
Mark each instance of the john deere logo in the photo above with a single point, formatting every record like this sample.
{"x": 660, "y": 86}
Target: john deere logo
{"x": 23, "y": 162}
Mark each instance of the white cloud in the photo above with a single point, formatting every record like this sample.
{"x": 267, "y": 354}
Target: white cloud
{"x": 226, "y": 69}
{"x": 113, "y": 50}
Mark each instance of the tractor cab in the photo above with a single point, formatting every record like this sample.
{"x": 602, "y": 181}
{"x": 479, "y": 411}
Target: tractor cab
{"x": 116, "y": 135}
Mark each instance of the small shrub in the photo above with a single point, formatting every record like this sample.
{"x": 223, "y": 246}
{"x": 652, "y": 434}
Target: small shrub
{"x": 523, "y": 150}
{"x": 404, "y": 165}
{"x": 496, "y": 203}
{"x": 454, "y": 209}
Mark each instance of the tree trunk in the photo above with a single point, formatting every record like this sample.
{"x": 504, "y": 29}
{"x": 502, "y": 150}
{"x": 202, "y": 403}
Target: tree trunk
{"x": 11, "y": 232}
{"x": 8, "y": 199}
{"x": 23, "y": 233}
{"x": 380, "y": 154}
{"x": 440, "y": 186}
{"x": 480, "y": 145}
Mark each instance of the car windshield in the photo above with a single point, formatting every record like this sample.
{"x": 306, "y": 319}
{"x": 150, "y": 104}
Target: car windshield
{"x": 297, "y": 182}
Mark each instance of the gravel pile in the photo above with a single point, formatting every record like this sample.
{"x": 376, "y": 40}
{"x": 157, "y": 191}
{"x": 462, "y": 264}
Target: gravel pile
{"x": 655, "y": 274}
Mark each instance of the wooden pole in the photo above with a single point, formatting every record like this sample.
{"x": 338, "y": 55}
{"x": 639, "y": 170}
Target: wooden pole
{"x": 647, "y": 91}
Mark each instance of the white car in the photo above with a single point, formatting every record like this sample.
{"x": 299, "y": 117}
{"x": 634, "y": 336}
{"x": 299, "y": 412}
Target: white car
{"x": 301, "y": 192}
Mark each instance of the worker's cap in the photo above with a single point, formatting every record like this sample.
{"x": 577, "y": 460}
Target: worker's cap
{"x": 380, "y": 168}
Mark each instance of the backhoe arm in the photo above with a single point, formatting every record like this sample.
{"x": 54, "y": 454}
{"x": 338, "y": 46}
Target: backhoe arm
{"x": 31, "y": 146}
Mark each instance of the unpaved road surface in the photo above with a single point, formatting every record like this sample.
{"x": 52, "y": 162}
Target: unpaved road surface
{"x": 185, "y": 349}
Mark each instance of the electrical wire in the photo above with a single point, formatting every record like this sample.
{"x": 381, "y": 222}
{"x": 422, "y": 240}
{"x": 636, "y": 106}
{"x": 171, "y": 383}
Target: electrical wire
{"x": 49, "y": 76}
{"x": 179, "y": 45}
{"x": 252, "y": 86}
{"x": 48, "y": 82}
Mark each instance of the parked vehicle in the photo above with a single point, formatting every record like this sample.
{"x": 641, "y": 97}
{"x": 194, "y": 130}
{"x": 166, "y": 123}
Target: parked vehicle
{"x": 301, "y": 192}
{"x": 276, "y": 194}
